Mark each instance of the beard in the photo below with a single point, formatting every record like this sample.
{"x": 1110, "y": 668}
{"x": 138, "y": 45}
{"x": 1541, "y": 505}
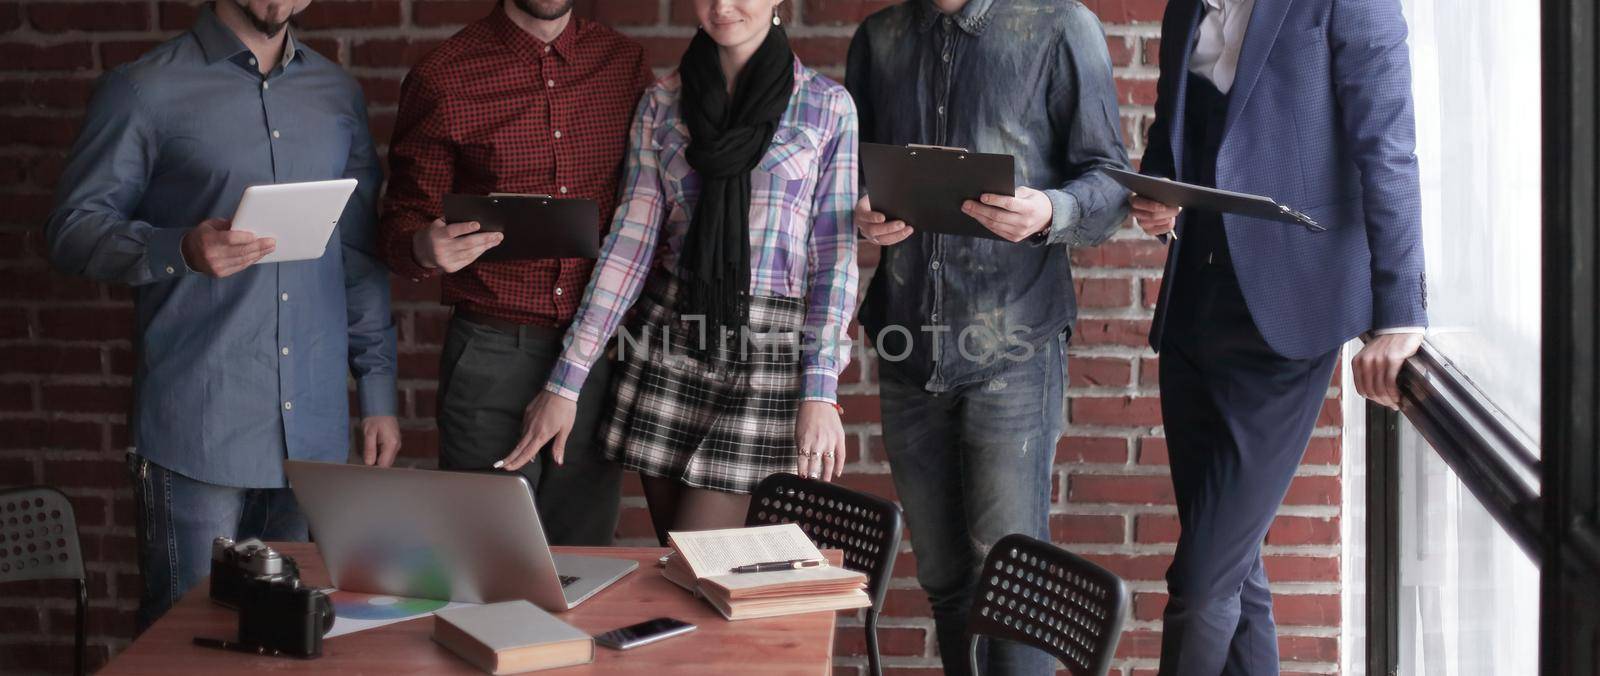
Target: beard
{"x": 545, "y": 10}
{"x": 270, "y": 29}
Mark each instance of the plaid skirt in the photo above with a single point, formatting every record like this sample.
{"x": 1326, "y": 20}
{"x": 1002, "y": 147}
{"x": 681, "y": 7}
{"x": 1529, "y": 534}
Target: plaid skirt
{"x": 711, "y": 411}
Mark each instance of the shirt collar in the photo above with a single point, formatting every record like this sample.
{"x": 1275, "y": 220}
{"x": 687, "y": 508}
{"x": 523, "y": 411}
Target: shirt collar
{"x": 218, "y": 42}
{"x": 973, "y": 18}
{"x": 519, "y": 40}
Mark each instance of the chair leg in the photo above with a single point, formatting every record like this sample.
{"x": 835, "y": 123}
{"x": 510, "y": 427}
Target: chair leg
{"x": 82, "y": 619}
{"x": 972, "y": 654}
{"x": 874, "y": 662}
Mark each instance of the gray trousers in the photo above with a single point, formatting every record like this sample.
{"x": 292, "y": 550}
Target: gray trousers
{"x": 486, "y": 379}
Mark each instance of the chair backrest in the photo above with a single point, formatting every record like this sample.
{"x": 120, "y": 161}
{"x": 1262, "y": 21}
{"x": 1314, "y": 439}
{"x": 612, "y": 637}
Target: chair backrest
{"x": 1039, "y": 594}
{"x": 38, "y": 536}
{"x": 865, "y": 526}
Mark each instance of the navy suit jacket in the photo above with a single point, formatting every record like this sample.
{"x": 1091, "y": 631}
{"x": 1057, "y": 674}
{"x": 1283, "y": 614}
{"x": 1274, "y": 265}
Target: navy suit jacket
{"x": 1320, "y": 118}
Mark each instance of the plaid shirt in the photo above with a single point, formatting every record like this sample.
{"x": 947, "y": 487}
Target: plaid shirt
{"x": 802, "y": 236}
{"x": 492, "y": 109}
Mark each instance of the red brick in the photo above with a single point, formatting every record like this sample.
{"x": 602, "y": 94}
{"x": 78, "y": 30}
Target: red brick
{"x": 1103, "y": 292}
{"x": 1139, "y": 643}
{"x": 839, "y": 12}
{"x": 892, "y": 641}
{"x": 34, "y": 129}
{"x": 820, "y": 52}
{"x": 114, "y": 54}
{"x": 1323, "y": 451}
{"x": 881, "y": 485}
{"x": 1138, "y": 567}
{"x": 85, "y": 474}
{"x": 1149, "y": 292}
{"x": 1308, "y": 610}
{"x": 1126, "y": 11}
{"x": 87, "y": 323}
{"x": 1137, "y": 92}
{"x": 16, "y": 397}
{"x": 390, "y": 52}
{"x": 906, "y": 603}
{"x": 625, "y": 12}
{"x": 1119, "y": 489}
{"x": 50, "y": 359}
{"x": 1095, "y": 450}
{"x": 1303, "y": 530}
{"x": 358, "y": 14}
{"x": 860, "y": 409}
{"x": 1116, "y": 411}
{"x": 1313, "y": 490}
{"x": 1125, "y": 332}
{"x": 1148, "y": 606}
{"x": 1150, "y": 372}
{"x": 1099, "y": 371}
{"x": 1155, "y": 529}
{"x": 430, "y": 13}
{"x": 1153, "y": 451}
{"x": 1152, "y": 51}
{"x": 59, "y": 17}
{"x": 177, "y": 15}
{"x": 1308, "y": 649}
{"x": 46, "y": 434}
{"x": 10, "y": 16}
{"x": 1302, "y": 568}
{"x": 1087, "y": 528}
{"x": 1120, "y": 49}
{"x": 1141, "y": 253}
{"x": 17, "y": 471}
{"x": 87, "y": 398}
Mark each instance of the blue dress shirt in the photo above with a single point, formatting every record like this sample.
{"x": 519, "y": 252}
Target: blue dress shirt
{"x": 233, "y": 374}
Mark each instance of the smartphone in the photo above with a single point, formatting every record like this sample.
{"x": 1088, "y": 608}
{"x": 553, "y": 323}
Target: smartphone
{"x": 648, "y": 631}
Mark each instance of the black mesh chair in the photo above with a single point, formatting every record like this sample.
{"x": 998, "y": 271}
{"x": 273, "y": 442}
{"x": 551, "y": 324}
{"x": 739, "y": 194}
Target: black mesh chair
{"x": 1041, "y": 595}
{"x": 866, "y": 527}
{"x": 39, "y": 541}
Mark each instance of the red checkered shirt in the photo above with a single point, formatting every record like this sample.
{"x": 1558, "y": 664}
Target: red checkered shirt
{"x": 495, "y": 110}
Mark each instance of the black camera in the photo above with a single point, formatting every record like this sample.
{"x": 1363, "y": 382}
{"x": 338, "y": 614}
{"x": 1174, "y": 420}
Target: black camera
{"x": 234, "y": 564}
{"x": 277, "y": 615}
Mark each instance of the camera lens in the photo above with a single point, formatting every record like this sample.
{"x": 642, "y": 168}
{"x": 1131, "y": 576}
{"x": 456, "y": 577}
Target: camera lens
{"x": 324, "y": 610}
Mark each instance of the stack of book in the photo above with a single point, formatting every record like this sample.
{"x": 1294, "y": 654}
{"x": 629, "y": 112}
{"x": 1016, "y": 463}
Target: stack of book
{"x": 794, "y": 576}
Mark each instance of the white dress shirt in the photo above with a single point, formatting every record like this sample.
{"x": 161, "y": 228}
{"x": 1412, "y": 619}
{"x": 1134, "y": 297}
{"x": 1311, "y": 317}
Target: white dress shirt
{"x": 1216, "y": 58}
{"x": 1216, "y": 51}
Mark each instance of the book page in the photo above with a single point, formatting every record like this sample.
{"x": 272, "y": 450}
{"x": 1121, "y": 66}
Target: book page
{"x": 718, "y": 552}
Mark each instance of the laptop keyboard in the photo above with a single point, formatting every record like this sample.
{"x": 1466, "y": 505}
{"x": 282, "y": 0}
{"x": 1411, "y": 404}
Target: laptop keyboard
{"x": 567, "y": 580}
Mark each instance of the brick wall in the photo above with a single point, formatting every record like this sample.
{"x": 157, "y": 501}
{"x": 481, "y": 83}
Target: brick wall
{"x": 66, "y": 360}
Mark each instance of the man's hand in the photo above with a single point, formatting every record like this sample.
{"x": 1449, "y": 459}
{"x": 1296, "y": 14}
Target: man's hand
{"x": 1154, "y": 218}
{"x": 215, "y": 249}
{"x": 876, "y": 227}
{"x": 381, "y": 436}
{"x": 819, "y": 439}
{"x": 549, "y": 417}
{"x": 1377, "y": 366}
{"x": 453, "y": 246}
{"x": 1014, "y": 218}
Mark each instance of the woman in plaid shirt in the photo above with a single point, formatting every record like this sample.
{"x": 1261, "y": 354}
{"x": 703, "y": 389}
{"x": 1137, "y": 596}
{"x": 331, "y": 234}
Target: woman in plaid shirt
{"x": 733, "y": 250}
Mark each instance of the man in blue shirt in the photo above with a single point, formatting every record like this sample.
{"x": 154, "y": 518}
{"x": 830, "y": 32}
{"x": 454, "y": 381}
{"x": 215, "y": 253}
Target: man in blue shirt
{"x": 971, "y": 333}
{"x": 240, "y": 365}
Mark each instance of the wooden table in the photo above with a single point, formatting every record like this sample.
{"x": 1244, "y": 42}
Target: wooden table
{"x": 797, "y": 644}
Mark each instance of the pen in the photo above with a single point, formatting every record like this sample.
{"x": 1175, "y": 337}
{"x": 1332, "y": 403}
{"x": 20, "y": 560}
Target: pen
{"x": 770, "y": 566}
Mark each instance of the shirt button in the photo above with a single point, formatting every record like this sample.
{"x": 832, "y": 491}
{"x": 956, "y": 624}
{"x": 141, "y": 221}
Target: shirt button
{"x": 549, "y": 83}
{"x": 266, "y": 85}
{"x": 547, "y": 49}
{"x": 171, "y": 270}
{"x": 275, "y": 134}
{"x": 252, "y": 61}
{"x": 288, "y": 406}
{"x": 284, "y": 297}
{"x": 563, "y": 190}
{"x": 935, "y": 317}
{"x": 558, "y": 133}
{"x": 934, "y": 265}
{"x": 941, "y": 110}
{"x": 284, "y": 351}
{"x": 947, "y": 57}
{"x": 558, "y": 291}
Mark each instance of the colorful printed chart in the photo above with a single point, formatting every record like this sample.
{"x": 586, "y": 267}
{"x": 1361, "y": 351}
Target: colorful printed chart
{"x": 355, "y": 612}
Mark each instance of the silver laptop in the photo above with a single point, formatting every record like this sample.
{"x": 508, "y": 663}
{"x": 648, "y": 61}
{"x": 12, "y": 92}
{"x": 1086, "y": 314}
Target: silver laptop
{"x": 473, "y": 537}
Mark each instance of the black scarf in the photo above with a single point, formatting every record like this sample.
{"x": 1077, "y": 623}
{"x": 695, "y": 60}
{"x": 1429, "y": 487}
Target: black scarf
{"x": 727, "y": 138}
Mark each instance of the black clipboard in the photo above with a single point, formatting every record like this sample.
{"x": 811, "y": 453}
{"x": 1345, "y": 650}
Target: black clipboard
{"x": 535, "y": 226}
{"x": 1173, "y": 193}
{"x": 925, "y": 185}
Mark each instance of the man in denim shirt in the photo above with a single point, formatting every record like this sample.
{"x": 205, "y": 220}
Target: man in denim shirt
{"x": 971, "y": 333}
{"x": 239, "y": 364}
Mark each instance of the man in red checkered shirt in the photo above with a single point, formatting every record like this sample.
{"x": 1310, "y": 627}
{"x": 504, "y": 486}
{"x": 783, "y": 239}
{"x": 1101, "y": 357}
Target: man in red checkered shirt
{"x": 526, "y": 100}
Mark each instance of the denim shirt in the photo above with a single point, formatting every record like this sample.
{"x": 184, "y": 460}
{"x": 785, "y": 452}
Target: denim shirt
{"x": 232, "y": 375}
{"x": 1029, "y": 78}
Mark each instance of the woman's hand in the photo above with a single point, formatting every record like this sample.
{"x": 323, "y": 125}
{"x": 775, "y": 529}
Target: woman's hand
{"x": 549, "y": 417}
{"x": 819, "y": 439}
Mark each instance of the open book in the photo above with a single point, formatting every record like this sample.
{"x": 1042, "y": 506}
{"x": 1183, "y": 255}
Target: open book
{"x": 703, "y": 562}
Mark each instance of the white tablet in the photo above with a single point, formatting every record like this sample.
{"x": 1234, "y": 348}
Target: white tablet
{"x": 301, "y": 216}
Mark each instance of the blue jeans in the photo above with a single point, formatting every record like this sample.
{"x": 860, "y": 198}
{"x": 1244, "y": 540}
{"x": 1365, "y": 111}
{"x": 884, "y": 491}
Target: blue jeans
{"x": 178, "y": 519}
{"x": 972, "y": 465}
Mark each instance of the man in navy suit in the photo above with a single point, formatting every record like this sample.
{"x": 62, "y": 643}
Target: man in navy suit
{"x": 1309, "y": 102}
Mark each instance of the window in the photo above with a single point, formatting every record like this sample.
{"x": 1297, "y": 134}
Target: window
{"x": 1468, "y": 595}
{"x": 1476, "y": 83}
